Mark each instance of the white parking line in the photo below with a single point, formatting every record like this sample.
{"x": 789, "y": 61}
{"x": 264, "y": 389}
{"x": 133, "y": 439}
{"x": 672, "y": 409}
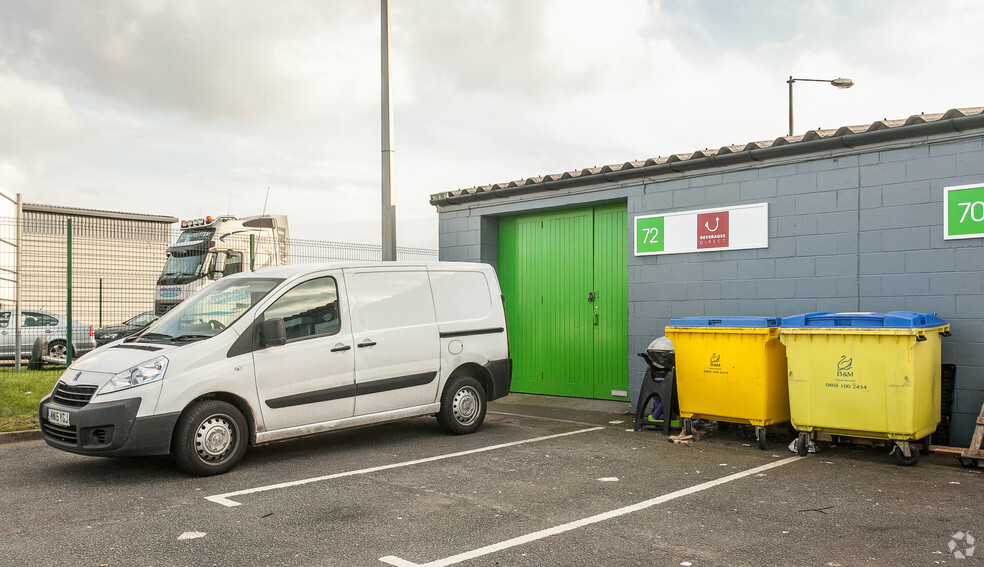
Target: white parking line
{"x": 225, "y": 500}
{"x": 495, "y": 547}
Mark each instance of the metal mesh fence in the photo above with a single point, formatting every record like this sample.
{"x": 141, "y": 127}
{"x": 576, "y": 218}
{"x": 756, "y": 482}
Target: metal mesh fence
{"x": 116, "y": 265}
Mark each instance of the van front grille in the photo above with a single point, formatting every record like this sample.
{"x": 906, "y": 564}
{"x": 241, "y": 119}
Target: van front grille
{"x": 76, "y": 396}
{"x": 64, "y": 434}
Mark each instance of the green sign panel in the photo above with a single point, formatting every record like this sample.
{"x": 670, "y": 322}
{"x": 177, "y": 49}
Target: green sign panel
{"x": 963, "y": 212}
{"x": 650, "y": 235}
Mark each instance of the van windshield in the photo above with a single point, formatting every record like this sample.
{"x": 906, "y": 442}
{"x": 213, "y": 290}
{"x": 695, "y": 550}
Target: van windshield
{"x": 209, "y": 311}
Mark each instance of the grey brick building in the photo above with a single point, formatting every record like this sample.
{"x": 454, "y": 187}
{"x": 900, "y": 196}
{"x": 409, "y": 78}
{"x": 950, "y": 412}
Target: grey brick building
{"x": 855, "y": 223}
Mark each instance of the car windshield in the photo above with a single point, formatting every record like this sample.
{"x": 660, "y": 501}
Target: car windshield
{"x": 142, "y": 319}
{"x": 209, "y": 311}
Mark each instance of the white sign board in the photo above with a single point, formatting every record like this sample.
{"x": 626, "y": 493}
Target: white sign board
{"x": 706, "y": 230}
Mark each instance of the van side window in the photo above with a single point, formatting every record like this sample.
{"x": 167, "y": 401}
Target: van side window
{"x": 309, "y": 309}
{"x": 4, "y": 319}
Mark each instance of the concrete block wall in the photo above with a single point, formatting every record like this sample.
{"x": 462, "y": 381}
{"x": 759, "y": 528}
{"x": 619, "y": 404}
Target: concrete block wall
{"x": 848, "y": 231}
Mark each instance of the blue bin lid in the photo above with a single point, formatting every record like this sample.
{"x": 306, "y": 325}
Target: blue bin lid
{"x": 892, "y": 319}
{"x": 733, "y": 321}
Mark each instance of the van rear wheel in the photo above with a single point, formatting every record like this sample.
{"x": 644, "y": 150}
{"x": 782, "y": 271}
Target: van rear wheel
{"x": 210, "y": 438}
{"x": 463, "y": 405}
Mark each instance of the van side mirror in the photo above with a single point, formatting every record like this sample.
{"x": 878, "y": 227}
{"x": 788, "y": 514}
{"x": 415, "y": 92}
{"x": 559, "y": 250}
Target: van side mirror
{"x": 219, "y": 266}
{"x": 273, "y": 332}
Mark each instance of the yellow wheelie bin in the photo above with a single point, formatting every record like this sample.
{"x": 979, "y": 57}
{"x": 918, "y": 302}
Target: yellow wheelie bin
{"x": 730, "y": 369}
{"x": 869, "y": 375}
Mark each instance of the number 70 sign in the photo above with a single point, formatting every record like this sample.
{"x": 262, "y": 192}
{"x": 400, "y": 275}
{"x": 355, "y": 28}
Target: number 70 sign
{"x": 963, "y": 212}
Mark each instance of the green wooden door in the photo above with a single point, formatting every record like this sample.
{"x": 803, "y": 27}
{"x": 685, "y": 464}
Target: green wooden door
{"x": 563, "y": 275}
{"x": 611, "y": 273}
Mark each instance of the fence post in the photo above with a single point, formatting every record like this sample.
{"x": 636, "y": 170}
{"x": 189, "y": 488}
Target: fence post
{"x": 17, "y": 285}
{"x": 252, "y": 252}
{"x": 100, "y": 302}
{"x": 68, "y": 285}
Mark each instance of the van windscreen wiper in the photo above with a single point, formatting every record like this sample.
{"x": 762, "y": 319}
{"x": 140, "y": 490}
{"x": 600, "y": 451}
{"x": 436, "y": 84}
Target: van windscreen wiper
{"x": 191, "y": 337}
{"x": 155, "y": 337}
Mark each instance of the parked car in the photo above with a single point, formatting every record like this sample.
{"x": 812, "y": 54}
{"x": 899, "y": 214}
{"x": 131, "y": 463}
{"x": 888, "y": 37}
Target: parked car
{"x": 35, "y": 324}
{"x": 290, "y": 351}
{"x": 132, "y": 325}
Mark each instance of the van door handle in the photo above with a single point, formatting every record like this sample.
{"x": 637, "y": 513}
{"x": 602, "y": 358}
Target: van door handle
{"x": 367, "y": 343}
{"x": 340, "y": 347}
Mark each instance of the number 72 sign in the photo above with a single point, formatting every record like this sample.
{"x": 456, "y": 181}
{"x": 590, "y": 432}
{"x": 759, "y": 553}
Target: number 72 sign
{"x": 963, "y": 212}
{"x": 731, "y": 228}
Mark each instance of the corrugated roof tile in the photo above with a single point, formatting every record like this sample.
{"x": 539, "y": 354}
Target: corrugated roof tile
{"x": 461, "y": 195}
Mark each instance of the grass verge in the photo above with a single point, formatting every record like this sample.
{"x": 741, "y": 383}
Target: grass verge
{"x": 20, "y": 394}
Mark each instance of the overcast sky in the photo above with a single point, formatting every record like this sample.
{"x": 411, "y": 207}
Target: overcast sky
{"x": 191, "y": 108}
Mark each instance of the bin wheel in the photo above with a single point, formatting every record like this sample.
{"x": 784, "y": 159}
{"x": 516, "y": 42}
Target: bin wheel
{"x": 901, "y": 459}
{"x": 688, "y": 426}
{"x": 803, "y": 443}
{"x": 967, "y": 463}
{"x": 760, "y": 435}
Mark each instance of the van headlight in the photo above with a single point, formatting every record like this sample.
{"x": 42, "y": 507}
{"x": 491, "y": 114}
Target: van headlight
{"x": 150, "y": 371}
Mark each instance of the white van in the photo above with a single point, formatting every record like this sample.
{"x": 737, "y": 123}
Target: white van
{"x": 290, "y": 351}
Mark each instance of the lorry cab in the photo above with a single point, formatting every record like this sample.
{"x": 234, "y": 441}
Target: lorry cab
{"x": 209, "y": 248}
{"x": 286, "y": 352}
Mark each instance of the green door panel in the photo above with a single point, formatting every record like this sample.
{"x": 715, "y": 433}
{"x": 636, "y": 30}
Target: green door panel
{"x": 611, "y": 341}
{"x": 546, "y": 265}
{"x": 549, "y": 266}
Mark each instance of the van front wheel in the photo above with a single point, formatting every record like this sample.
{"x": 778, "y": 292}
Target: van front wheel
{"x": 462, "y": 405}
{"x": 210, "y": 438}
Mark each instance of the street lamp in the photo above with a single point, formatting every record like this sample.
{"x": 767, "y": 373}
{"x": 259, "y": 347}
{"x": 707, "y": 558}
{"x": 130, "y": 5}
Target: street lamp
{"x": 839, "y": 82}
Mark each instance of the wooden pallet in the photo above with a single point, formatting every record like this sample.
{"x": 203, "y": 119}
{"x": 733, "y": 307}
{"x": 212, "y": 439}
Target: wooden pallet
{"x": 972, "y": 455}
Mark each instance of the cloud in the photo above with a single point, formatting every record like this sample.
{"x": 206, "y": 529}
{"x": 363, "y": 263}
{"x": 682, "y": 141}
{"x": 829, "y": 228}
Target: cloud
{"x": 217, "y": 59}
{"x": 535, "y": 49}
{"x": 34, "y": 116}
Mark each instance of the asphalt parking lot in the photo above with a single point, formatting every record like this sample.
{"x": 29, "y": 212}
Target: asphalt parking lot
{"x": 546, "y": 481}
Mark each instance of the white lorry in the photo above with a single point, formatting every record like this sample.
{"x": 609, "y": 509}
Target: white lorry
{"x": 210, "y": 248}
{"x": 286, "y": 352}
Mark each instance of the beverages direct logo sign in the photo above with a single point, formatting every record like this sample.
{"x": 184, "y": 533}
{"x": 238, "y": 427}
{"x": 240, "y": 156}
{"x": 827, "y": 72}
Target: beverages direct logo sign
{"x": 963, "y": 212}
{"x": 735, "y": 228}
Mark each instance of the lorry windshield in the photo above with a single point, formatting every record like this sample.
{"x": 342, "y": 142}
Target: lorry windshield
{"x": 209, "y": 311}
{"x": 186, "y": 257}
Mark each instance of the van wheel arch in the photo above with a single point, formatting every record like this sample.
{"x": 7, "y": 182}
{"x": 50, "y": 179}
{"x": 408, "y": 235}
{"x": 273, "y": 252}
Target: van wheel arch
{"x": 477, "y": 372}
{"x": 236, "y": 401}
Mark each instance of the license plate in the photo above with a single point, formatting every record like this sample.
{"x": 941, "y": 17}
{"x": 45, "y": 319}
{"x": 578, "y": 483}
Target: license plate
{"x": 58, "y": 417}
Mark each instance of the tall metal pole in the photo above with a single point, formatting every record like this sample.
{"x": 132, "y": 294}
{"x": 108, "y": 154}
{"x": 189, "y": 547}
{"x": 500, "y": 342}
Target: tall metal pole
{"x": 388, "y": 204}
{"x": 790, "y": 81}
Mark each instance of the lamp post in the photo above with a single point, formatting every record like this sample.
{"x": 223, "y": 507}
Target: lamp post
{"x": 840, "y": 83}
{"x": 388, "y": 247}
